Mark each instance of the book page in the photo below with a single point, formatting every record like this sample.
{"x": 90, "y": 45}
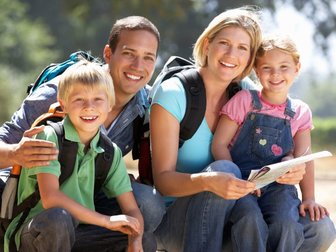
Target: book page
{"x": 263, "y": 177}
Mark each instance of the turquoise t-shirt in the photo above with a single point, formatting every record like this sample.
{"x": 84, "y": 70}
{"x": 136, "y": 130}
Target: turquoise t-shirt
{"x": 195, "y": 154}
{"x": 80, "y": 185}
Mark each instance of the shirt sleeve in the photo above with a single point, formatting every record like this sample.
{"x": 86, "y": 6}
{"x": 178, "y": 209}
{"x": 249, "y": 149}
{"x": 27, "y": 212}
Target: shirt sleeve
{"x": 303, "y": 117}
{"x": 117, "y": 181}
{"x": 33, "y": 106}
{"x": 54, "y": 167}
{"x": 237, "y": 107}
{"x": 171, "y": 96}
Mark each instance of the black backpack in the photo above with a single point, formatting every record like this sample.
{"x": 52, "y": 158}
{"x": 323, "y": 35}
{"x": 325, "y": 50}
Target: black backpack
{"x": 67, "y": 158}
{"x": 195, "y": 109}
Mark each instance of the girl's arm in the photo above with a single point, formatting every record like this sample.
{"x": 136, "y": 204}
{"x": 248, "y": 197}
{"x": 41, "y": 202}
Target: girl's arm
{"x": 51, "y": 197}
{"x": 302, "y": 143}
{"x": 164, "y": 140}
{"x": 225, "y": 131}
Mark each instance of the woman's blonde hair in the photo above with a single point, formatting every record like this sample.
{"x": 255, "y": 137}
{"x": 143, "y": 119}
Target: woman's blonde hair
{"x": 246, "y": 18}
{"x": 278, "y": 41}
{"x": 89, "y": 74}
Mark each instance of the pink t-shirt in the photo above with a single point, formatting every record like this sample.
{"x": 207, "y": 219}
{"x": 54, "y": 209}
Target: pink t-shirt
{"x": 240, "y": 105}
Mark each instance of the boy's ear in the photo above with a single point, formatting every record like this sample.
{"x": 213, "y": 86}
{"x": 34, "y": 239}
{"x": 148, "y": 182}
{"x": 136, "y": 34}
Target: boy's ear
{"x": 62, "y": 103}
{"x": 298, "y": 67}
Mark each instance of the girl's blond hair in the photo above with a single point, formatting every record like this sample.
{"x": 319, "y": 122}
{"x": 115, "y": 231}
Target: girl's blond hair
{"x": 281, "y": 42}
{"x": 89, "y": 74}
{"x": 246, "y": 18}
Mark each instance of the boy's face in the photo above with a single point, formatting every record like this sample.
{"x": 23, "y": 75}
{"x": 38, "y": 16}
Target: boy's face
{"x": 132, "y": 63}
{"x": 276, "y": 71}
{"x": 87, "y": 109}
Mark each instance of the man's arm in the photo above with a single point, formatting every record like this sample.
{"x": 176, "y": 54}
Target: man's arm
{"x": 15, "y": 145}
{"x": 28, "y": 152}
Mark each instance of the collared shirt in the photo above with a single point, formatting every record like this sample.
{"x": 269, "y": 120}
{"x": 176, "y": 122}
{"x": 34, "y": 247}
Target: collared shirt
{"x": 80, "y": 185}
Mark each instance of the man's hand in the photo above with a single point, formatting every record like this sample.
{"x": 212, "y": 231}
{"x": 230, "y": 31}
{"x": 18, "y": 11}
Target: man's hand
{"x": 33, "y": 152}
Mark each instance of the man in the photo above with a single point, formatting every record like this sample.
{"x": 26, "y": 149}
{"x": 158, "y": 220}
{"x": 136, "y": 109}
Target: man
{"x": 130, "y": 57}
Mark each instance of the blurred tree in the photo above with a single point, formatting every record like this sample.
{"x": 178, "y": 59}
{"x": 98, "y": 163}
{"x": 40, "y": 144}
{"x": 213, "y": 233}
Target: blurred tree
{"x": 24, "y": 50}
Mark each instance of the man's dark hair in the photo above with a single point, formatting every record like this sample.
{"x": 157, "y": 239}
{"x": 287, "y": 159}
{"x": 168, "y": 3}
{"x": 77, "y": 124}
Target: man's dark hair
{"x": 131, "y": 23}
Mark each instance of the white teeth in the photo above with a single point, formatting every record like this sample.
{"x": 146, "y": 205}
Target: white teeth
{"x": 89, "y": 117}
{"x": 227, "y": 64}
{"x": 133, "y": 77}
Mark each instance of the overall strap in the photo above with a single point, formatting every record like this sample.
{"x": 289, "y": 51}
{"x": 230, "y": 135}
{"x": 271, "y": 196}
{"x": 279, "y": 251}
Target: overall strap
{"x": 255, "y": 100}
{"x": 289, "y": 110}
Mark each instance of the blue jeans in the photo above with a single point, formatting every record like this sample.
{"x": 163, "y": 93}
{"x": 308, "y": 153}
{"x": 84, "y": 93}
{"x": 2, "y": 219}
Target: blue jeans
{"x": 269, "y": 221}
{"x": 74, "y": 237}
{"x": 197, "y": 222}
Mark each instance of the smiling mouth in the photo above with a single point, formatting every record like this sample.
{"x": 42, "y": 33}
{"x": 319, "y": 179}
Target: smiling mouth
{"x": 133, "y": 77}
{"x": 89, "y": 118}
{"x": 229, "y": 65}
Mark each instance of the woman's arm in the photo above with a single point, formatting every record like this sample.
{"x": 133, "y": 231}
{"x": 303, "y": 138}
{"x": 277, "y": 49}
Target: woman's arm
{"x": 51, "y": 197}
{"x": 225, "y": 131}
{"x": 164, "y": 140}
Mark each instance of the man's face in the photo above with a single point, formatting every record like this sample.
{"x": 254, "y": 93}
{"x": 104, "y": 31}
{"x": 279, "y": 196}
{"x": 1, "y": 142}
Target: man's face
{"x": 132, "y": 63}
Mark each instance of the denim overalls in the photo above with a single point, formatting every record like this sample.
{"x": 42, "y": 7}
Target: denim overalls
{"x": 273, "y": 217}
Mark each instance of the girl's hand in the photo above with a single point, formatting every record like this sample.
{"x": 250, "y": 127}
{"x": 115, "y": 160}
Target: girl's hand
{"x": 316, "y": 211}
{"x": 293, "y": 176}
{"x": 125, "y": 224}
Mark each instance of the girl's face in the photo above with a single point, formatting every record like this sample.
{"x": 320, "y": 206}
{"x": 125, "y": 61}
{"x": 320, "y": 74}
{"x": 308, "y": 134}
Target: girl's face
{"x": 87, "y": 109}
{"x": 228, "y": 53}
{"x": 276, "y": 71}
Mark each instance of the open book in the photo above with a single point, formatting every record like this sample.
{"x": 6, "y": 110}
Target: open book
{"x": 270, "y": 173}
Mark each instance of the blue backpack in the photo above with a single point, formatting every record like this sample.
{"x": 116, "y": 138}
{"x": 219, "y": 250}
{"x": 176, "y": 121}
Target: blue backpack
{"x": 55, "y": 69}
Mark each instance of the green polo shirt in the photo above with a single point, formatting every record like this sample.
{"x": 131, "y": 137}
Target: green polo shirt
{"x": 80, "y": 185}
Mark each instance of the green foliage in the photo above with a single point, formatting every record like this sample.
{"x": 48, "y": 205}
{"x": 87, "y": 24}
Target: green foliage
{"x": 24, "y": 51}
{"x": 324, "y": 134}
{"x": 321, "y": 98}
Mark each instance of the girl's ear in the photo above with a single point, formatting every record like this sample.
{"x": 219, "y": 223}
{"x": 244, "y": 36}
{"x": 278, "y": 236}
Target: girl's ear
{"x": 298, "y": 67}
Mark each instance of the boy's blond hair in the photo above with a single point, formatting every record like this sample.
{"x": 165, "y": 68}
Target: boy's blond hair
{"x": 89, "y": 74}
{"x": 281, "y": 42}
{"x": 246, "y": 18}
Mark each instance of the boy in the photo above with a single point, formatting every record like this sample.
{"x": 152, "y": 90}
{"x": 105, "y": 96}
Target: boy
{"x": 86, "y": 95}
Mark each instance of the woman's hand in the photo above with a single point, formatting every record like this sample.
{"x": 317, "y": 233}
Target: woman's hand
{"x": 227, "y": 186}
{"x": 293, "y": 176}
{"x": 316, "y": 211}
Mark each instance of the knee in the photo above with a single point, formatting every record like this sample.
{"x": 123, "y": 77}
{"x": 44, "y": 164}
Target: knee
{"x": 151, "y": 205}
{"x": 60, "y": 219}
{"x": 224, "y": 166}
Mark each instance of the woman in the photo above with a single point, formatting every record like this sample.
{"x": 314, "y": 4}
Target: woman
{"x": 205, "y": 191}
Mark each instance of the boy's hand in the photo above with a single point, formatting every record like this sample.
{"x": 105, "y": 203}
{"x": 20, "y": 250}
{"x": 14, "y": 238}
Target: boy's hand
{"x": 125, "y": 224}
{"x": 316, "y": 211}
{"x": 135, "y": 243}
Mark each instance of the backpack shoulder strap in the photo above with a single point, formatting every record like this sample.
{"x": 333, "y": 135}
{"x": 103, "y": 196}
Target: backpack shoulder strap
{"x": 196, "y": 103}
{"x": 103, "y": 161}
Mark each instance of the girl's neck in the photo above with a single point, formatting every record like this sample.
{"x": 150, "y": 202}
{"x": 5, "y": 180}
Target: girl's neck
{"x": 274, "y": 99}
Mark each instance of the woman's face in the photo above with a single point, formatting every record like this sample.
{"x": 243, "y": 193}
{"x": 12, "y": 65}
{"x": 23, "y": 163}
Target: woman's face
{"x": 228, "y": 53}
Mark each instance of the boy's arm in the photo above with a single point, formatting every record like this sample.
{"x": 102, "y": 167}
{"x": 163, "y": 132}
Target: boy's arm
{"x": 129, "y": 207}
{"x": 302, "y": 143}
{"x": 225, "y": 131}
{"x": 51, "y": 197}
